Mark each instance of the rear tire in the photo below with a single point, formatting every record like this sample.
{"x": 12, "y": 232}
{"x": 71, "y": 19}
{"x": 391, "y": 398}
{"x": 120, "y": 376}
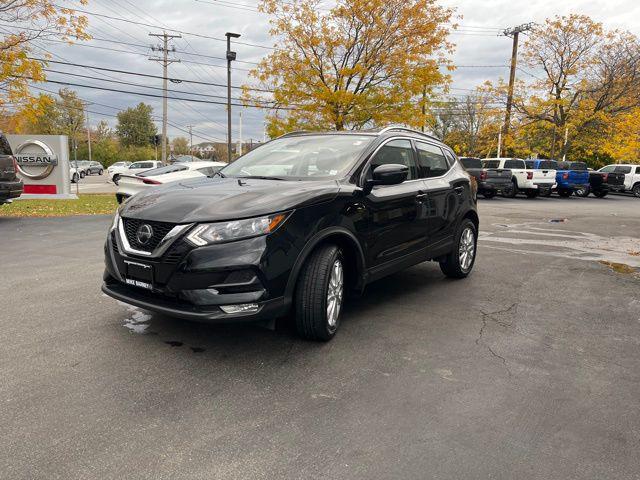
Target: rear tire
{"x": 320, "y": 294}
{"x": 636, "y": 190}
{"x": 600, "y": 194}
{"x": 511, "y": 192}
{"x": 116, "y": 178}
{"x": 75, "y": 178}
{"x": 583, "y": 192}
{"x": 100, "y": 172}
{"x": 489, "y": 194}
{"x": 82, "y": 174}
{"x": 457, "y": 264}
{"x": 565, "y": 193}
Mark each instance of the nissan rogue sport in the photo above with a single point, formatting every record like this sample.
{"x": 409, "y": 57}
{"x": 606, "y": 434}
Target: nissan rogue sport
{"x": 294, "y": 225}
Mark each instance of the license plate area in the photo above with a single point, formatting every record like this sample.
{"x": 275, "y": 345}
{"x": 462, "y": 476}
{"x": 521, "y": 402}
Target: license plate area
{"x": 138, "y": 275}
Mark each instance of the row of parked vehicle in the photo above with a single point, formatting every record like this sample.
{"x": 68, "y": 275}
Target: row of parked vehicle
{"x": 512, "y": 176}
{"x": 81, "y": 168}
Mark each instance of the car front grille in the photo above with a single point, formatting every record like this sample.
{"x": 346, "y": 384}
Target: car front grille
{"x": 160, "y": 230}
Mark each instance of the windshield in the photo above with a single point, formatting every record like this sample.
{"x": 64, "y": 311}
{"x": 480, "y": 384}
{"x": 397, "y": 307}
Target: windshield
{"x": 301, "y": 157}
{"x": 491, "y": 163}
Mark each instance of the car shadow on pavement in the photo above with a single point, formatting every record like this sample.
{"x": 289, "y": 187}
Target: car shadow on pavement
{"x": 198, "y": 338}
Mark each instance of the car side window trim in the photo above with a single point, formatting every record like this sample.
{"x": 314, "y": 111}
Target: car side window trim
{"x": 367, "y": 163}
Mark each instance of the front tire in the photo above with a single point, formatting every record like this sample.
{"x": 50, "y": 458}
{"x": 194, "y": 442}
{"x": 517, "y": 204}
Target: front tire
{"x": 82, "y": 174}
{"x": 459, "y": 263}
{"x": 636, "y": 190}
{"x": 319, "y": 294}
{"x": 75, "y": 178}
{"x": 116, "y": 178}
{"x": 601, "y": 193}
{"x": 100, "y": 172}
{"x": 565, "y": 193}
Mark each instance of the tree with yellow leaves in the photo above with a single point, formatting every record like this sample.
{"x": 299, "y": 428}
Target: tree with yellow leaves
{"x": 361, "y": 63}
{"x": 589, "y": 77}
{"x": 31, "y": 20}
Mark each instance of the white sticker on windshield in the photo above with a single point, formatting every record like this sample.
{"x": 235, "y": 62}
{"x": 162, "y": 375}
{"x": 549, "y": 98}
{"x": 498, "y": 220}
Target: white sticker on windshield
{"x": 333, "y": 172}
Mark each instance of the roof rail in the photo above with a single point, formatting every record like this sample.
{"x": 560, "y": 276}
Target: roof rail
{"x": 407, "y": 129}
{"x": 295, "y": 132}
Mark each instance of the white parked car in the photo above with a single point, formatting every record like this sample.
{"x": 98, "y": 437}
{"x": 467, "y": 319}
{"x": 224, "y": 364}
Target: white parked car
{"x": 631, "y": 176}
{"x": 129, "y": 185}
{"x": 74, "y": 176}
{"x": 530, "y": 182}
{"x": 117, "y": 168}
{"x": 135, "y": 168}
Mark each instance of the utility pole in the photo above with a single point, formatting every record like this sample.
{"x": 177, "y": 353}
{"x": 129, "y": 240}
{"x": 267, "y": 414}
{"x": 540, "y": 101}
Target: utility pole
{"x": 231, "y": 56}
{"x": 424, "y": 107}
{"x": 239, "y": 152}
{"x": 515, "y": 34}
{"x": 88, "y": 129}
{"x": 190, "y": 127}
{"x": 165, "y": 60}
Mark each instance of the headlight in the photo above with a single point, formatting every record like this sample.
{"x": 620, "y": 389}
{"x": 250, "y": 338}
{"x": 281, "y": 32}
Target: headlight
{"x": 116, "y": 219}
{"x": 209, "y": 233}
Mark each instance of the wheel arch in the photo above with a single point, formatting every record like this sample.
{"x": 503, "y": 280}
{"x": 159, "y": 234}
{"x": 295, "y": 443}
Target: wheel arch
{"x": 353, "y": 253}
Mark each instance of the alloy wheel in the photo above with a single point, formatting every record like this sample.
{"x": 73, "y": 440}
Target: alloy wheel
{"x": 467, "y": 249}
{"x": 335, "y": 292}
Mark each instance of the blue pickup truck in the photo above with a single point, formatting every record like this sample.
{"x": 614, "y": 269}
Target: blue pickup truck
{"x": 570, "y": 176}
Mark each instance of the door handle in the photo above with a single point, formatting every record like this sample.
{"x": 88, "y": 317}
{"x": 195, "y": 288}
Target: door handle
{"x": 422, "y": 196}
{"x": 459, "y": 190}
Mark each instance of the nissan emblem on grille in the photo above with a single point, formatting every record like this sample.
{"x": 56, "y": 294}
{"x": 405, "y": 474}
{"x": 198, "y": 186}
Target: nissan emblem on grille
{"x": 144, "y": 234}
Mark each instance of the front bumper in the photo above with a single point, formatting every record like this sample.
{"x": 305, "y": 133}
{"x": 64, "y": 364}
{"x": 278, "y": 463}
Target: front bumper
{"x": 9, "y": 190}
{"x": 194, "y": 283}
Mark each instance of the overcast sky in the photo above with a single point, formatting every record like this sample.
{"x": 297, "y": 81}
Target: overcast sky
{"x": 480, "y": 52}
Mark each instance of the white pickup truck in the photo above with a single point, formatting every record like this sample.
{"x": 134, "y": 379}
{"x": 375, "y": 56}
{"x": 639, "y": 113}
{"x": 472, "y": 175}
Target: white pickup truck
{"x": 531, "y": 182}
{"x": 631, "y": 176}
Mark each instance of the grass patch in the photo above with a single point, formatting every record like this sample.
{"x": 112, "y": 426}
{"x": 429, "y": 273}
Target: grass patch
{"x": 86, "y": 204}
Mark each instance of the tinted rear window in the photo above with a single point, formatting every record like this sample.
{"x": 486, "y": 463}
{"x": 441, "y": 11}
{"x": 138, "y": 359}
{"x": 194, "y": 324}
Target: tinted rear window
{"x": 514, "y": 163}
{"x": 471, "y": 162}
{"x": 578, "y": 166}
{"x": 491, "y": 163}
{"x": 5, "y": 148}
{"x": 547, "y": 165}
{"x": 530, "y": 164}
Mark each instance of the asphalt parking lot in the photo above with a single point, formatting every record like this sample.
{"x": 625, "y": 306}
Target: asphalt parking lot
{"x": 529, "y": 369}
{"x": 94, "y": 184}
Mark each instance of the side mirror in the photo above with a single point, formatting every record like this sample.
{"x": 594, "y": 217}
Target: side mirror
{"x": 389, "y": 174}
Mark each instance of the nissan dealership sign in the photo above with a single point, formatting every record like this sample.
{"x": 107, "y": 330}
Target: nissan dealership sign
{"x": 43, "y": 164}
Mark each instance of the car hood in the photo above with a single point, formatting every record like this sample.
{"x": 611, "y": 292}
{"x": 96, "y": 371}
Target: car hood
{"x": 216, "y": 199}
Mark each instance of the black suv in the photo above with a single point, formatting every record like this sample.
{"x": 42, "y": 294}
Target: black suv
{"x": 10, "y": 185}
{"x": 295, "y": 223}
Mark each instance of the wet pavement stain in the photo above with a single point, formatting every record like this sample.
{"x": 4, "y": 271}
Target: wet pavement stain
{"x": 197, "y": 349}
{"x": 174, "y": 343}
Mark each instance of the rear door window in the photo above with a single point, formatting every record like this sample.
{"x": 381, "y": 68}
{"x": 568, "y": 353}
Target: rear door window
{"x": 625, "y": 170}
{"x": 547, "y": 165}
{"x": 578, "y": 166}
{"x": 431, "y": 160}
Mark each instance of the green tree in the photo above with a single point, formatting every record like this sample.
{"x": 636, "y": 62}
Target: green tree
{"x": 180, "y": 146}
{"x": 135, "y": 126}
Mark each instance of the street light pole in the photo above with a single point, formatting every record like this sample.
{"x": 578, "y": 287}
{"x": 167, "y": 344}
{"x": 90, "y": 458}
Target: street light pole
{"x": 231, "y": 56}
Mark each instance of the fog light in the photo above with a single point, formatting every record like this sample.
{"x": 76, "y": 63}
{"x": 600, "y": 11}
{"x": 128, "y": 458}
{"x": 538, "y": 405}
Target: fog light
{"x": 241, "y": 308}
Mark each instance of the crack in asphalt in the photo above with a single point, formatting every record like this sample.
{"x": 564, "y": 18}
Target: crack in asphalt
{"x": 486, "y": 316}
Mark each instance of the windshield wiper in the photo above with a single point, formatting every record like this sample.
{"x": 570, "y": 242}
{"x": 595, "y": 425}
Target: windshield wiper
{"x": 263, "y": 177}
{"x": 219, "y": 174}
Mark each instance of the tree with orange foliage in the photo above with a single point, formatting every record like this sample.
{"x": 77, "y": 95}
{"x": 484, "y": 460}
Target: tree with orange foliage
{"x": 361, "y": 63}
{"x": 31, "y": 20}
